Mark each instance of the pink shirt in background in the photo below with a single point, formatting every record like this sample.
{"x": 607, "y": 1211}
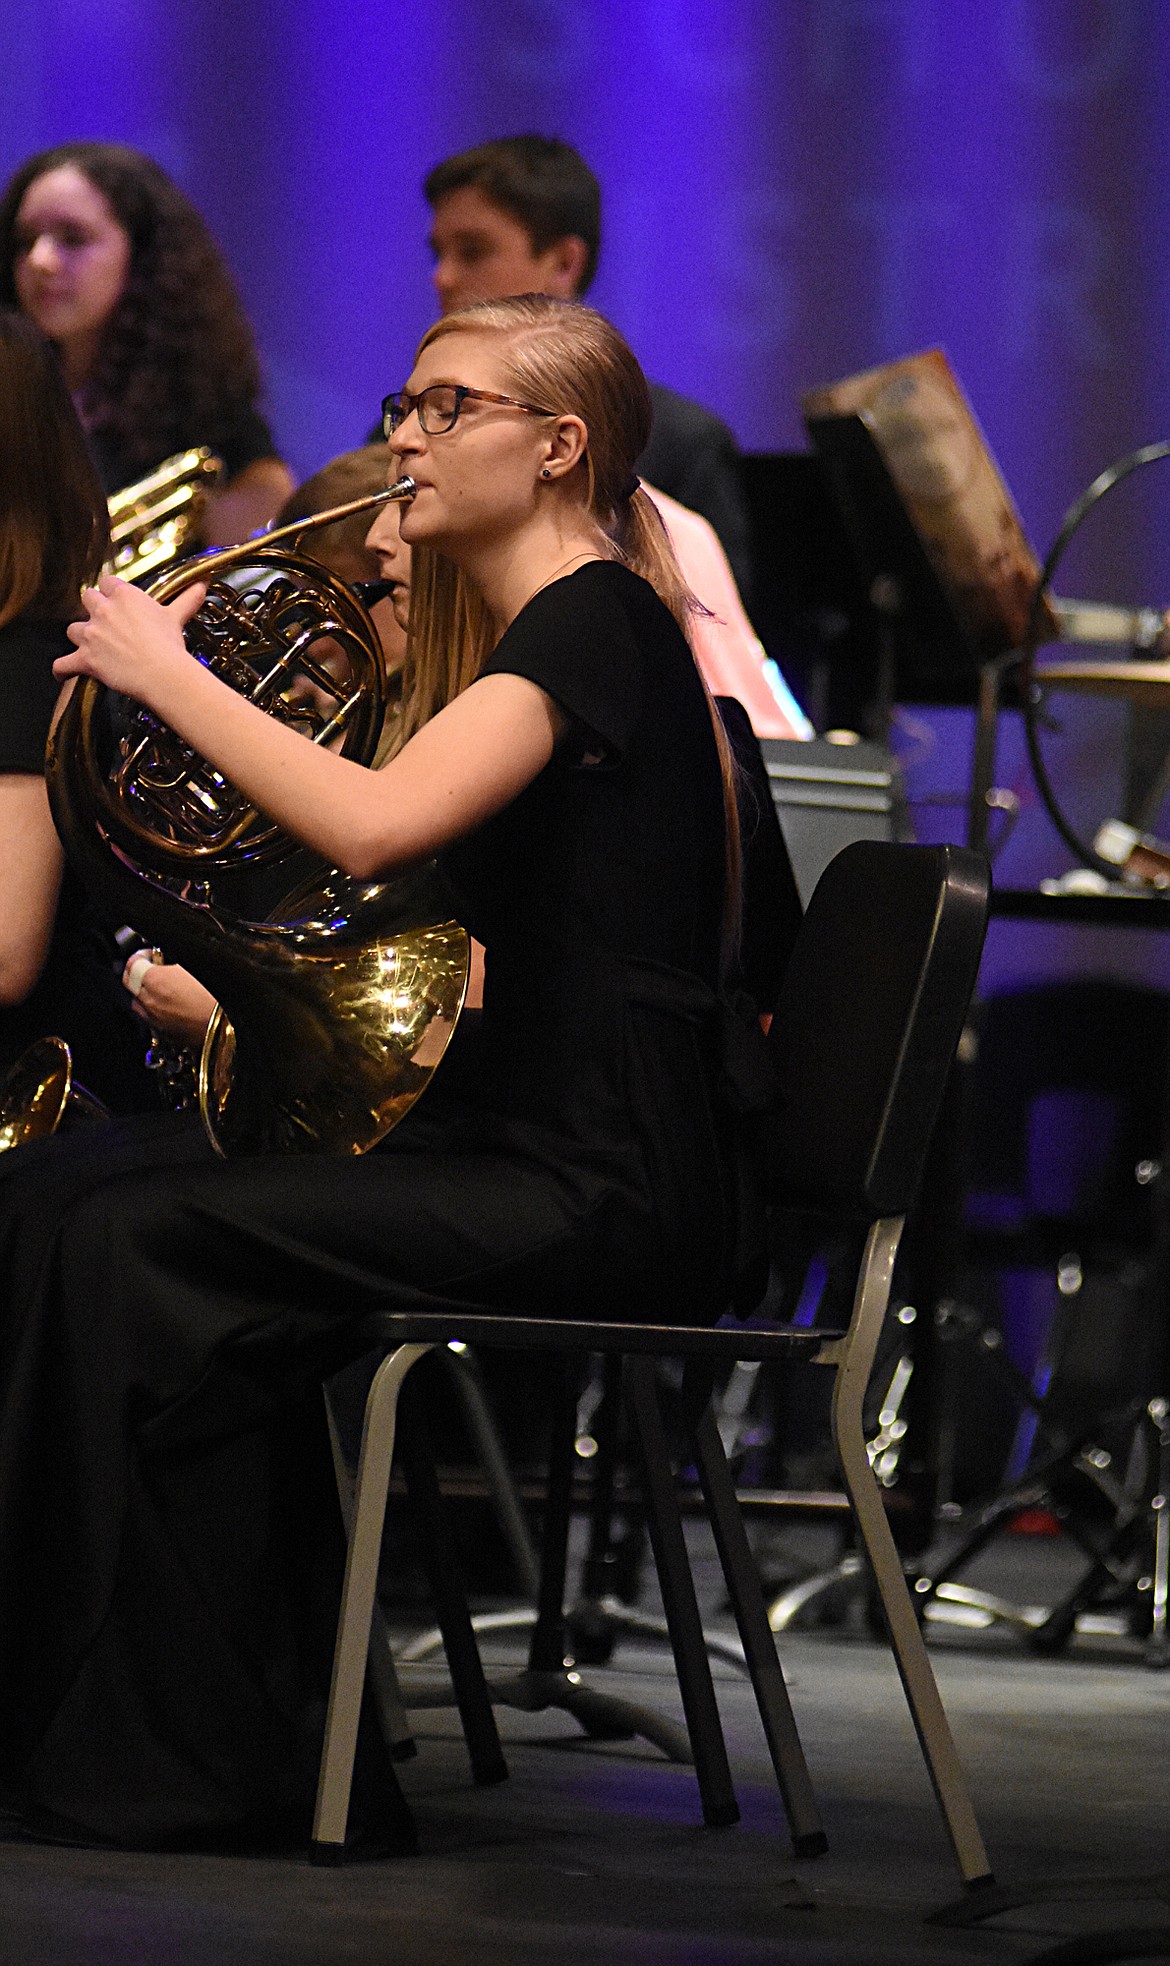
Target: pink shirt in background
{"x": 727, "y": 648}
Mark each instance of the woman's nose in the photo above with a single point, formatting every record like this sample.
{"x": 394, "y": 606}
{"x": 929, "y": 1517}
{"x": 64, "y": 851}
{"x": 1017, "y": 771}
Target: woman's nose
{"x": 408, "y": 436}
{"x": 44, "y": 252}
{"x": 446, "y": 282}
{"x": 383, "y": 534}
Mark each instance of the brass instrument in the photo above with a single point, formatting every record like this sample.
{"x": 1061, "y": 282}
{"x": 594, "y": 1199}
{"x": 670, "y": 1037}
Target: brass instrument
{"x": 336, "y": 1010}
{"x": 40, "y": 1096}
{"x": 156, "y": 520}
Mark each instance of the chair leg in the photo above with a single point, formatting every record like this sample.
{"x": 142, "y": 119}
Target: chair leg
{"x": 549, "y": 1679}
{"x": 678, "y": 1595}
{"x": 442, "y": 1566}
{"x": 351, "y": 1651}
{"x": 751, "y": 1617}
{"x": 468, "y": 1383}
{"x": 396, "y": 1729}
{"x": 854, "y": 1357}
{"x": 546, "y": 1651}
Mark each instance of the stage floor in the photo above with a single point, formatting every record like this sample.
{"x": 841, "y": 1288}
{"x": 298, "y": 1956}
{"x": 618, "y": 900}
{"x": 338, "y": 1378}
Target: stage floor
{"x": 596, "y": 1853}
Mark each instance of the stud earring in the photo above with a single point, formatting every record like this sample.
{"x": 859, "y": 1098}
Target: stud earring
{"x": 546, "y": 473}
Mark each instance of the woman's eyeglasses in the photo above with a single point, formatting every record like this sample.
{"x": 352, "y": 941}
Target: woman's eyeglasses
{"x": 439, "y": 406}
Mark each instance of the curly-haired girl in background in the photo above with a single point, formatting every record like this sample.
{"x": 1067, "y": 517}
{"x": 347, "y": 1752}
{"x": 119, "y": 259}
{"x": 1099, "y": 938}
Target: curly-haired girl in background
{"x": 118, "y": 269}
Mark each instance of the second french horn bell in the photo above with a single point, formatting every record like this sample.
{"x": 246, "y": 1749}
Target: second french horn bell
{"x": 336, "y": 1010}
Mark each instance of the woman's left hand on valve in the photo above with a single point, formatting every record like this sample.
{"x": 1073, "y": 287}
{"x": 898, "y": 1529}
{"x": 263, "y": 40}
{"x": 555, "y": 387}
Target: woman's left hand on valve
{"x": 129, "y": 641}
{"x": 167, "y": 997}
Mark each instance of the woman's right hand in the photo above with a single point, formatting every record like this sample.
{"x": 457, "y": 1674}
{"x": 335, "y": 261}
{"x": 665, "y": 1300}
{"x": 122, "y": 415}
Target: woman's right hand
{"x": 168, "y": 998}
{"x": 130, "y": 641}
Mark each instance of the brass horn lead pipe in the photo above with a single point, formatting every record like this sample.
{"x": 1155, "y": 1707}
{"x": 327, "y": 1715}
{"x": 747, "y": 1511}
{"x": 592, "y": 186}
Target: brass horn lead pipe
{"x": 205, "y": 566}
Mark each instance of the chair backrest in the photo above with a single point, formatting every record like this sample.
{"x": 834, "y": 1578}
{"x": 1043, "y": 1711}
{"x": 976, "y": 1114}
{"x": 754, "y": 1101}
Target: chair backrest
{"x": 869, "y": 1016}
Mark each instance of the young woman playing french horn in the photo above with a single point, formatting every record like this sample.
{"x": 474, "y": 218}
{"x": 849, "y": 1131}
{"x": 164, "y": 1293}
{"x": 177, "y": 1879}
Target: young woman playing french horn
{"x": 165, "y": 1634}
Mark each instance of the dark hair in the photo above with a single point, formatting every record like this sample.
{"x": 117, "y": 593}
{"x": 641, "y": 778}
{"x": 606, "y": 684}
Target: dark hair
{"x": 54, "y": 531}
{"x": 177, "y": 362}
{"x": 542, "y": 182}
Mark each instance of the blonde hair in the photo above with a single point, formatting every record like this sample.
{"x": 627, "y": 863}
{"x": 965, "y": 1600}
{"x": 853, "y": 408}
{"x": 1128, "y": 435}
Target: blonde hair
{"x": 569, "y": 357}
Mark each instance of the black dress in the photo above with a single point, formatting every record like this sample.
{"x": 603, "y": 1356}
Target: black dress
{"x": 168, "y": 1541}
{"x": 78, "y": 995}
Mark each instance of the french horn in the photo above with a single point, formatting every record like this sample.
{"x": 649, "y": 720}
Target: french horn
{"x": 39, "y": 1096}
{"x": 155, "y": 521}
{"x": 335, "y": 1011}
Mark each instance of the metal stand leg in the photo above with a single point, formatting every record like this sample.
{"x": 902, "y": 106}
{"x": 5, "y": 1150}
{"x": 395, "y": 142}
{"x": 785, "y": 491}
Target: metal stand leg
{"x": 1158, "y": 1643}
{"x": 854, "y": 1356}
{"x": 468, "y": 1384}
{"x": 596, "y": 1617}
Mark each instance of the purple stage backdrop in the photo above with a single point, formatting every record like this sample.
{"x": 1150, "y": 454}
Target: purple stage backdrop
{"x": 794, "y": 189}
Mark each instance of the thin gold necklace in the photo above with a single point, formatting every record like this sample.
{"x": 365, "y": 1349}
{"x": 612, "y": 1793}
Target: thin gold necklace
{"x": 587, "y": 554}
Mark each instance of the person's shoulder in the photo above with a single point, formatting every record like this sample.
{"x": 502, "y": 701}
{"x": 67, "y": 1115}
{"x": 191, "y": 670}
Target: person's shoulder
{"x": 246, "y": 439}
{"x": 28, "y": 690}
{"x": 600, "y": 599}
{"x": 28, "y": 639}
{"x": 588, "y": 640}
{"x": 610, "y": 588}
{"x": 685, "y": 420}
{"x": 598, "y": 584}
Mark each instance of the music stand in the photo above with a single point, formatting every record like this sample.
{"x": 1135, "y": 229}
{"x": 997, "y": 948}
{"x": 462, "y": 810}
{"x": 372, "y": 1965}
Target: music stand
{"x": 937, "y": 536}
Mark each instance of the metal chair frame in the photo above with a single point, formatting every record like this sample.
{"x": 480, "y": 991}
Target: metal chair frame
{"x": 909, "y": 1015}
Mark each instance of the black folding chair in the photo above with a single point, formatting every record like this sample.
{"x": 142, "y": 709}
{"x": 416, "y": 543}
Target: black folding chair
{"x": 870, "y": 1013}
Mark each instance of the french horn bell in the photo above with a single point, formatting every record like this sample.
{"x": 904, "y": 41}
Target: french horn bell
{"x": 39, "y": 1096}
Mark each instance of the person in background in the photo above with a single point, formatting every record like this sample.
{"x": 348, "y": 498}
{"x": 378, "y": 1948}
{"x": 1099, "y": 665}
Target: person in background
{"x": 343, "y": 548}
{"x": 57, "y": 962}
{"x": 523, "y": 215}
{"x": 728, "y": 650}
{"x": 118, "y": 269}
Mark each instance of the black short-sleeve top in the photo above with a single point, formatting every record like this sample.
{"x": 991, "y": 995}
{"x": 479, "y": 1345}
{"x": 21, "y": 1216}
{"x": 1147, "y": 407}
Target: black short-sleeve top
{"x": 28, "y": 691}
{"x": 78, "y": 996}
{"x": 609, "y": 865}
{"x": 619, "y": 843}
